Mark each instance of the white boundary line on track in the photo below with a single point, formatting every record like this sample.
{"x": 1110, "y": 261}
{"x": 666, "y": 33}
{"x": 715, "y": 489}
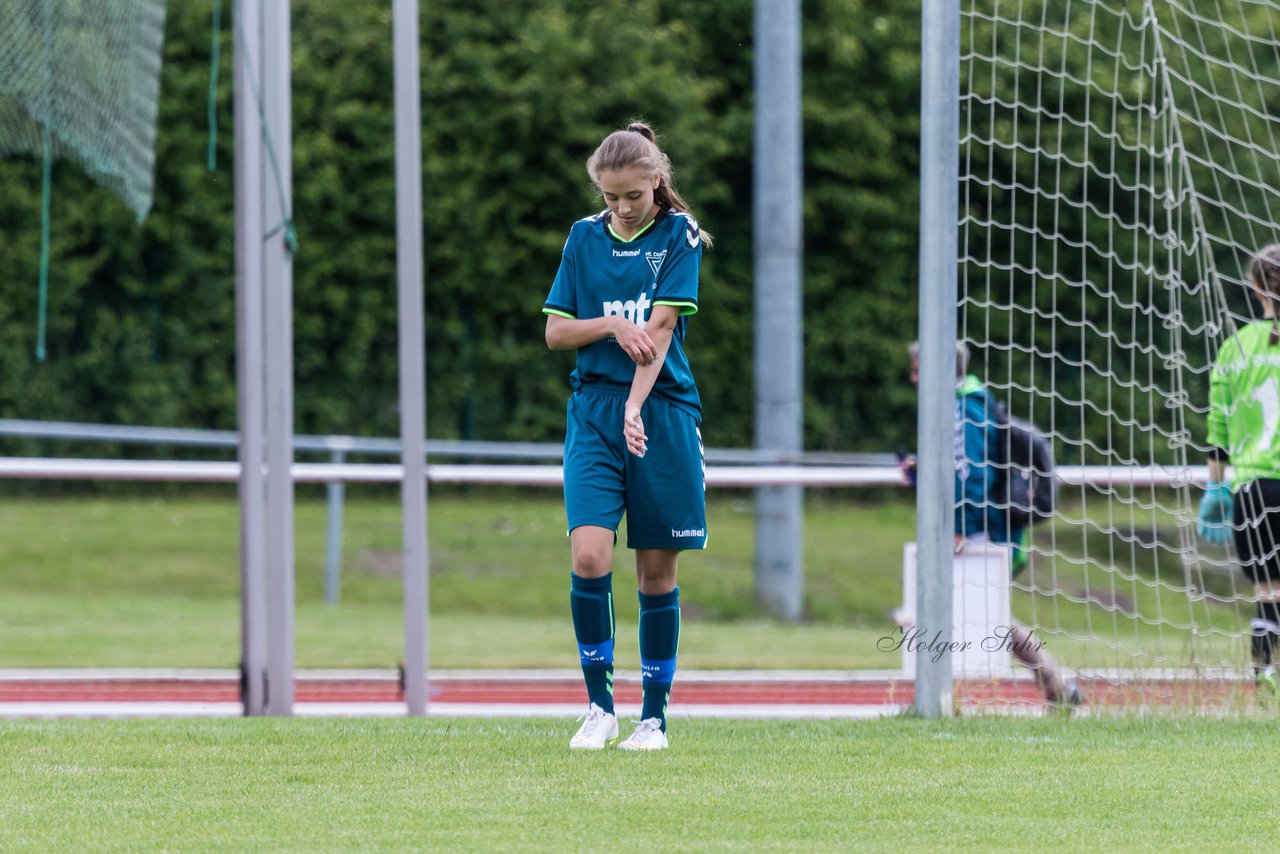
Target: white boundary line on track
{"x": 106, "y": 674}
{"x": 781, "y": 711}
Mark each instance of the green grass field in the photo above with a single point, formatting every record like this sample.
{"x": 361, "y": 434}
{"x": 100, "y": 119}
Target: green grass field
{"x": 512, "y": 785}
{"x": 154, "y": 582}
{"x": 138, "y": 582}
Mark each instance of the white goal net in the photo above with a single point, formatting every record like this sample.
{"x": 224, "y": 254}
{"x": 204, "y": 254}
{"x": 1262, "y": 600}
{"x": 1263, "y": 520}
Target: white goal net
{"x": 1118, "y": 165}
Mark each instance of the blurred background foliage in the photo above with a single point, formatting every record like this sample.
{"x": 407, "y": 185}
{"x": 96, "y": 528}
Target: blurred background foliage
{"x": 515, "y": 97}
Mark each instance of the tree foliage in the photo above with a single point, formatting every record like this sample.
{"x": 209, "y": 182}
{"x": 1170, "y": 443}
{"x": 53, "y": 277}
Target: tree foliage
{"x": 515, "y": 96}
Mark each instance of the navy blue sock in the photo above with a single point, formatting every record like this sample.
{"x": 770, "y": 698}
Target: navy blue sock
{"x": 591, "y": 602}
{"x": 659, "y": 640}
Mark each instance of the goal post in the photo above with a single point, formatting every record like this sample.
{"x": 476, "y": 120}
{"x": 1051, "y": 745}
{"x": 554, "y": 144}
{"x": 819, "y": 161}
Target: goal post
{"x": 1119, "y": 163}
{"x": 939, "y": 122}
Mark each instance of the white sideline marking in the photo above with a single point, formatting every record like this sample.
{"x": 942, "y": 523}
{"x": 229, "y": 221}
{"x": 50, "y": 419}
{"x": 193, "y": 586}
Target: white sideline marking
{"x": 797, "y": 711}
{"x": 115, "y": 674}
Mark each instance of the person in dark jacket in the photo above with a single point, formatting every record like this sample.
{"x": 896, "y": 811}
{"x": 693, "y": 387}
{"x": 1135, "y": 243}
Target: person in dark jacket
{"x": 980, "y": 517}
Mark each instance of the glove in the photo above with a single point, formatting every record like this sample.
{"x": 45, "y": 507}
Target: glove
{"x": 1216, "y": 508}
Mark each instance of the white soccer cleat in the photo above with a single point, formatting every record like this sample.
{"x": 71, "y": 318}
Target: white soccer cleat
{"x": 598, "y": 729}
{"x": 648, "y": 736}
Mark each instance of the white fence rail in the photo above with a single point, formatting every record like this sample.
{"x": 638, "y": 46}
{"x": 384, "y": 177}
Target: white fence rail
{"x": 41, "y": 468}
{"x": 727, "y": 467}
{"x": 338, "y": 446}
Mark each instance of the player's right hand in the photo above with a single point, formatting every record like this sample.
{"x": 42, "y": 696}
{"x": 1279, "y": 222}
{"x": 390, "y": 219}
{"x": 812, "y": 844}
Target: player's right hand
{"x": 907, "y": 467}
{"x": 633, "y": 431}
{"x": 634, "y": 341}
{"x": 1216, "y": 509}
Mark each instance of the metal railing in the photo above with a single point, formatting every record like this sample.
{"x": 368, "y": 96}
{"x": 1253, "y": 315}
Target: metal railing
{"x": 373, "y": 446}
{"x": 729, "y": 467}
{"x": 744, "y": 468}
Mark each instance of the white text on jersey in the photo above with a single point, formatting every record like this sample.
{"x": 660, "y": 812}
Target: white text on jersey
{"x": 635, "y": 310}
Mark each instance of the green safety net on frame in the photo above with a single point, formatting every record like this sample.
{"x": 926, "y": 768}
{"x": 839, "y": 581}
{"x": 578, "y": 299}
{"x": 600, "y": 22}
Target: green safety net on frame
{"x": 80, "y": 80}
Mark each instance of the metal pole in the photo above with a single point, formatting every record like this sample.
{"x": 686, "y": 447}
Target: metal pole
{"x": 276, "y": 81}
{"x": 779, "y": 369}
{"x": 410, "y": 307}
{"x": 249, "y": 379}
{"x": 336, "y": 490}
{"x": 939, "y": 215}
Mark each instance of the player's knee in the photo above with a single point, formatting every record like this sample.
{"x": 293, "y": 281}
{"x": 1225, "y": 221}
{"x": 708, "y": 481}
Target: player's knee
{"x": 592, "y": 550}
{"x": 592, "y": 562}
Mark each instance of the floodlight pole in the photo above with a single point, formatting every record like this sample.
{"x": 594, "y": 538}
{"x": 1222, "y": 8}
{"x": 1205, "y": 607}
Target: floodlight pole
{"x": 276, "y": 80}
{"x": 939, "y": 217}
{"x": 412, "y": 346}
{"x": 249, "y": 363}
{"x": 779, "y": 318}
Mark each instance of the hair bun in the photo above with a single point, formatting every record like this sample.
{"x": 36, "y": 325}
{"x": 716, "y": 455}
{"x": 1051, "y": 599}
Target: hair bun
{"x": 644, "y": 130}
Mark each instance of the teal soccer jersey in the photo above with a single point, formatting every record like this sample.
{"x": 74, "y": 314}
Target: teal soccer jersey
{"x": 662, "y": 493}
{"x": 602, "y": 275}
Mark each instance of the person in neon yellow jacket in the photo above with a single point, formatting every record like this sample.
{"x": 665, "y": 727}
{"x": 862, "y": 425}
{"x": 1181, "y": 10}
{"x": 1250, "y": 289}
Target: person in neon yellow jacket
{"x": 1244, "y": 432}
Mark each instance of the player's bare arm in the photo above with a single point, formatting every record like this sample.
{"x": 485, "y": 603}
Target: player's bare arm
{"x": 662, "y": 322}
{"x": 564, "y": 333}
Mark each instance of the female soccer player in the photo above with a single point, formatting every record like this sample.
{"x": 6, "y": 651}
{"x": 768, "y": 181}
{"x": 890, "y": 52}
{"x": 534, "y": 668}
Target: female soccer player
{"x": 1244, "y": 414}
{"x": 627, "y": 283}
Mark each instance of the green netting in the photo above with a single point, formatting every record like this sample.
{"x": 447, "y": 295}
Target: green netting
{"x": 83, "y": 78}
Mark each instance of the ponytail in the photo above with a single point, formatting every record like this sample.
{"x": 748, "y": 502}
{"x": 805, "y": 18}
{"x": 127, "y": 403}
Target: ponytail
{"x": 1264, "y": 275}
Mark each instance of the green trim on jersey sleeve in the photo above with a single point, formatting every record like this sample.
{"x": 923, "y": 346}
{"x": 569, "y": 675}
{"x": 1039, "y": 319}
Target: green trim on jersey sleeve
{"x": 557, "y": 312}
{"x": 686, "y": 308}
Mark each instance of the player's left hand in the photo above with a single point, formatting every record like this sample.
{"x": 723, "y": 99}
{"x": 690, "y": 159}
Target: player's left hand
{"x": 633, "y": 431}
{"x": 1213, "y": 522}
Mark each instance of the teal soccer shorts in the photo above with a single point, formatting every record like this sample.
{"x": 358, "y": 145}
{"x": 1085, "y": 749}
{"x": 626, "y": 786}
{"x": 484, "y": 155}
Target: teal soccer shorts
{"x": 663, "y": 493}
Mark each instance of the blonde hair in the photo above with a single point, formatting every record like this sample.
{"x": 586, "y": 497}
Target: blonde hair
{"x": 637, "y": 145}
{"x": 1264, "y": 275}
{"x": 962, "y": 356}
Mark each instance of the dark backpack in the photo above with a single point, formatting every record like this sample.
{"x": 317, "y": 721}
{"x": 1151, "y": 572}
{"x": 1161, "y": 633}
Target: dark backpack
{"x": 1027, "y": 487}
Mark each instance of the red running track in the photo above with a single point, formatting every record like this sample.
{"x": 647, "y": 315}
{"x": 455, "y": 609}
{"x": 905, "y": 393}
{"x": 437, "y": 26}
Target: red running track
{"x": 535, "y": 690}
{"x": 505, "y": 689}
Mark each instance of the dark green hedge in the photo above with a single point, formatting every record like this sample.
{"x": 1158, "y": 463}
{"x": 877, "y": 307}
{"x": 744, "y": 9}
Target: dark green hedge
{"x": 515, "y": 96}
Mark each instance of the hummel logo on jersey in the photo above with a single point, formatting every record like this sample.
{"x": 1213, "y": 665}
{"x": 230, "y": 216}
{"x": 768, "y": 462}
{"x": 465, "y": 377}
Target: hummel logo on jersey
{"x": 689, "y": 532}
{"x": 655, "y": 260}
{"x": 635, "y": 310}
{"x": 626, "y": 253}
